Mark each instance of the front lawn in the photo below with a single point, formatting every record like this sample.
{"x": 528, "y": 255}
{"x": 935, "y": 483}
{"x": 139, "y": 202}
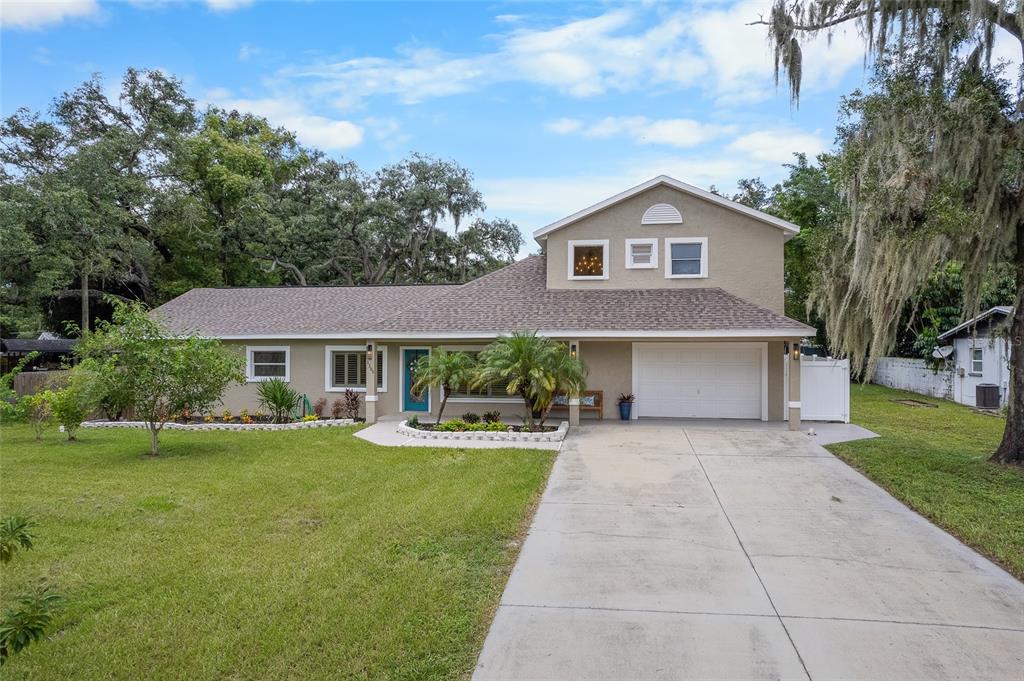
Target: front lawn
{"x": 263, "y": 555}
{"x": 934, "y": 460}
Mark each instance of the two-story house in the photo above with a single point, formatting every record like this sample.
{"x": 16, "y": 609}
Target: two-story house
{"x": 666, "y": 291}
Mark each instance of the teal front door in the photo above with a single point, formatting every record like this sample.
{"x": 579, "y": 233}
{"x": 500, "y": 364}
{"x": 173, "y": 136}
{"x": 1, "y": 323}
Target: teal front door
{"x": 411, "y": 402}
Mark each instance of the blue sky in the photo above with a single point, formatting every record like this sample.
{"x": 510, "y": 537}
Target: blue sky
{"x": 552, "y": 106}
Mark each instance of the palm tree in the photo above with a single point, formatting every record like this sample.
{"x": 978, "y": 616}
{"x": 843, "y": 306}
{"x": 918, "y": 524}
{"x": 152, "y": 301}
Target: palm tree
{"x": 533, "y": 366}
{"x": 570, "y": 377}
{"x": 447, "y": 370}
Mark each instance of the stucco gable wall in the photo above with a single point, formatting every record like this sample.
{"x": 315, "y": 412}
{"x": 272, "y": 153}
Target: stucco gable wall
{"x": 745, "y": 256}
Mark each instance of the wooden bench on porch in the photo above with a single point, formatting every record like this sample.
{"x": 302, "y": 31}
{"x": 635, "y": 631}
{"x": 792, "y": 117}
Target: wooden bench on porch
{"x": 590, "y": 400}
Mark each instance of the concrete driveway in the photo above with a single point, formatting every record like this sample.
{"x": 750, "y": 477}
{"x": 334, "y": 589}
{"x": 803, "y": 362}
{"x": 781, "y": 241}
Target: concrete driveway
{"x": 664, "y": 552}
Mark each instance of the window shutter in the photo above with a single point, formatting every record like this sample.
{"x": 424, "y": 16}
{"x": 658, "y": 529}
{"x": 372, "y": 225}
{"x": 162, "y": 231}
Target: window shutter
{"x": 380, "y": 368}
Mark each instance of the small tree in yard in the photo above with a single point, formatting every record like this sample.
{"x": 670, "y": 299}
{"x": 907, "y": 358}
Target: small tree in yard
{"x": 160, "y": 373}
{"x": 74, "y": 400}
{"x": 535, "y": 367}
{"x": 446, "y": 370}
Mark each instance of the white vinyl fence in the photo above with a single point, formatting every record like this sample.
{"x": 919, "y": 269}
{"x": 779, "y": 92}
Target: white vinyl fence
{"x": 824, "y": 389}
{"x": 914, "y": 375}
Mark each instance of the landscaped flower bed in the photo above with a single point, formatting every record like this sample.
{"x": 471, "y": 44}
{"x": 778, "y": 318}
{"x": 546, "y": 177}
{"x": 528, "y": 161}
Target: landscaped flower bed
{"x": 230, "y": 425}
{"x": 457, "y": 429}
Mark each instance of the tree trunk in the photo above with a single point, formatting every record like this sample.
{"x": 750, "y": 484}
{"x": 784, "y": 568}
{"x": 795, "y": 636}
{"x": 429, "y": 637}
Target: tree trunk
{"x": 1011, "y": 449}
{"x": 154, "y": 440}
{"x": 85, "y": 301}
{"x": 444, "y": 401}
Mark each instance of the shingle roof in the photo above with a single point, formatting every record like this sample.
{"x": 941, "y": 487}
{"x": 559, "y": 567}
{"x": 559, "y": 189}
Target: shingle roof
{"x": 513, "y": 298}
{"x": 290, "y": 309}
{"x": 516, "y": 297}
{"x": 1004, "y": 310}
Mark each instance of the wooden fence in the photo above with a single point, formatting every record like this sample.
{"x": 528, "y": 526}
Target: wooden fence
{"x": 31, "y": 382}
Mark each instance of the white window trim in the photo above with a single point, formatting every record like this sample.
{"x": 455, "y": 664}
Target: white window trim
{"x": 703, "y": 241}
{"x": 329, "y": 386}
{"x": 588, "y": 242}
{"x": 653, "y": 243}
{"x": 973, "y": 371}
{"x": 249, "y": 349}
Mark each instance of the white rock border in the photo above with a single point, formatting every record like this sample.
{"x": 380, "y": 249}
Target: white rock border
{"x": 493, "y": 435}
{"x": 170, "y": 425}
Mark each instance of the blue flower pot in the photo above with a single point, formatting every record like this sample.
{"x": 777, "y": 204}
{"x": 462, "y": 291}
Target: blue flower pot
{"x": 625, "y": 408}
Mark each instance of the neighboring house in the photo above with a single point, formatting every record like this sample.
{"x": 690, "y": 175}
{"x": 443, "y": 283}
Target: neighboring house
{"x": 980, "y": 355}
{"x": 665, "y": 290}
{"x": 53, "y": 352}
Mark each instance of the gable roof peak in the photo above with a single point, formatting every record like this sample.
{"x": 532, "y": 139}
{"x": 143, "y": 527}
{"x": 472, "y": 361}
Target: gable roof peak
{"x": 787, "y": 227}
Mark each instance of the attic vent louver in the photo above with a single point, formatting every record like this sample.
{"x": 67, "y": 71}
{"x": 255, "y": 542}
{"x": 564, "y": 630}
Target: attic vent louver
{"x": 661, "y": 214}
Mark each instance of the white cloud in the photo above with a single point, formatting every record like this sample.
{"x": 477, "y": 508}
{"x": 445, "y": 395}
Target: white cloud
{"x": 37, "y": 13}
{"x": 312, "y": 129}
{"x": 744, "y": 74}
{"x": 778, "y": 146}
{"x": 675, "y": 132}
{"x": 227, "y": 5}
{"x": 247, "y": 52}
{"x": 580, "y": 58}
{"x": 563, "y": 126}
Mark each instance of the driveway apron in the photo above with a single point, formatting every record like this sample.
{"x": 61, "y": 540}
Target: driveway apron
{"x": 666, "y": 552}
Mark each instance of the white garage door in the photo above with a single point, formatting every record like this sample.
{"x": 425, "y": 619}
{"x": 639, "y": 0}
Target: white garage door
{"x": 699, "y": 380}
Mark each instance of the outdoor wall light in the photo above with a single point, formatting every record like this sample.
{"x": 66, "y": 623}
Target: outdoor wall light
{"x": 369, "y": 347}
{"x": 572, "y": 350}
{"x": 795, "y": 351}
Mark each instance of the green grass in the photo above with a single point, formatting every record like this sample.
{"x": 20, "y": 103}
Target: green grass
{"x": 935, "y": 460}
{"x": 302, "y": 555}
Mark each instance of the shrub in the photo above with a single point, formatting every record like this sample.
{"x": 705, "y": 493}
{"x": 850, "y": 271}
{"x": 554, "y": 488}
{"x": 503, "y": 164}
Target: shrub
{"x": 36, "y": 408}
{"x": 451, "y": 426}
{"x": 259, "y": 416}
{"x": 470, "y": 417}
{"x": 337, "y": 408}
{"x": 209, "y": 418}
{"x": 320, "y": 406}
{"x": 27, "y": 622}
{"x": 73, "y": 403}
{"x": 350, "y": 405}
{"x": 413, "y": 421}
{"x": 15, "y": 535}
{"x": 244, "y": 417}
{"x": 279, "y": 399}
{"x": 310, "y": 417}
{"x": 493, "y": 416}
{"x": 226, "y": 416}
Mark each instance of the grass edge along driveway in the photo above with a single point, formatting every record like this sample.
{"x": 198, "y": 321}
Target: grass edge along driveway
{"x": 934, "y": 459}
{"x": 305, "y": 554}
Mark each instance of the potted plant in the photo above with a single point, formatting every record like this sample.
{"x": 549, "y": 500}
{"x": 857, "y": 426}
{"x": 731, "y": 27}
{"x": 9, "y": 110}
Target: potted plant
{"x": 626, "y": 405}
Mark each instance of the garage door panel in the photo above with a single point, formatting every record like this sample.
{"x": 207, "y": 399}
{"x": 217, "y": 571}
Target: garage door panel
{"x": 698, "y": 381}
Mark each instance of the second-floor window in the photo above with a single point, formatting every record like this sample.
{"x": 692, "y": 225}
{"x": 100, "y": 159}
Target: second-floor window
{"x": 686, "y": 258}
{"x": 641, "y": 254}
{"x": 588, "y": 259}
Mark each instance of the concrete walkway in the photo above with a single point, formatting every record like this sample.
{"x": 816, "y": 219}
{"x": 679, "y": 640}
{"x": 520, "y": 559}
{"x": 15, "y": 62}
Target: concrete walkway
{"x": 712, "y": 553}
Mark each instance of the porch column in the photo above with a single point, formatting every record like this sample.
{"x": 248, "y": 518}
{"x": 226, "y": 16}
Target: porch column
{"x": 794, "y": 385}
{"x": 371, "y": 383}
{"x": 574, "y": 400}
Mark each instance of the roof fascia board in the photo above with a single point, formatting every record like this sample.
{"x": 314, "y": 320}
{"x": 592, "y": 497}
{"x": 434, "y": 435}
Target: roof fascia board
{"x": 784, "y": 225}
{"x": 971, "y": 322}
{"x": 556, "y": 333}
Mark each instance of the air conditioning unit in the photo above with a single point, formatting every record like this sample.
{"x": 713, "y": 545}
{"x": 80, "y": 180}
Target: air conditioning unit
{"x": 986, "y": 396}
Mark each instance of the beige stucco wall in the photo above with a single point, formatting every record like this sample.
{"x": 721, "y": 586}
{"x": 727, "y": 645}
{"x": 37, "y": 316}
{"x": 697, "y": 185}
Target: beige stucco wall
{"x": 744, "y": 255}
{"x": 609, "y": 365}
